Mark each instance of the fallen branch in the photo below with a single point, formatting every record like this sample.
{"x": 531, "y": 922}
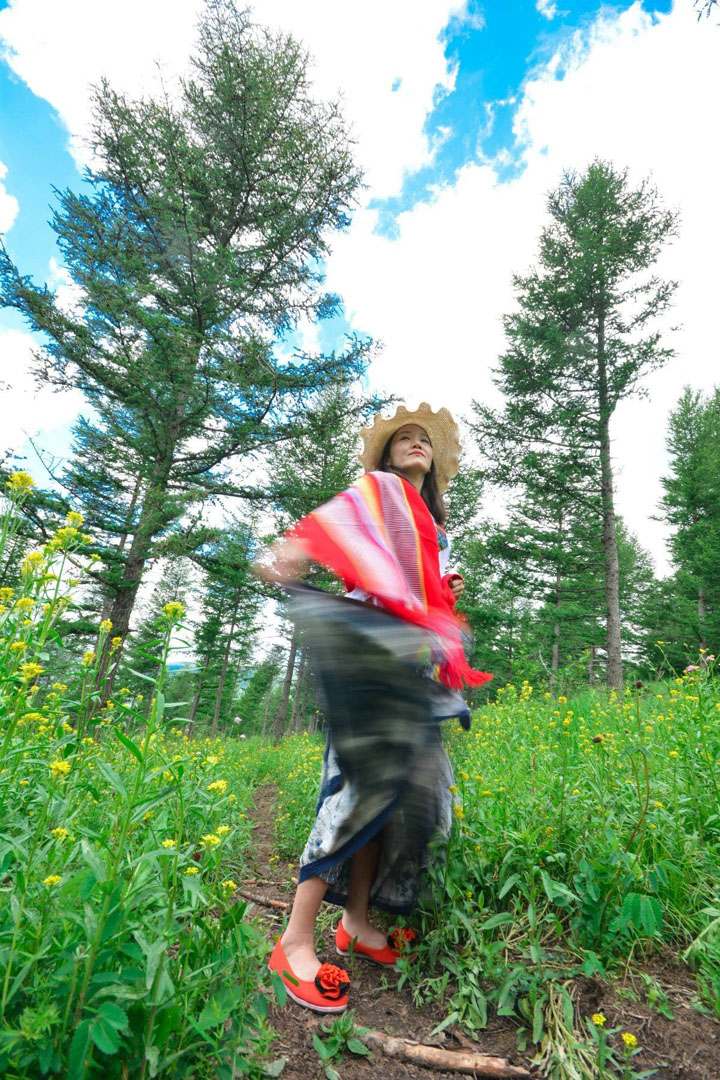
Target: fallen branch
{"x": 431, "y": 1057}
{"x": 266, "y": 901}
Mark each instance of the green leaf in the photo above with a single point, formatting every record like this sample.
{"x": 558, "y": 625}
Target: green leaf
{"x": 357, "y": 1047}
{"x": 129, "y": 744}
{"x": 451, "y": 1019}
{"x": 77, "y": 1065}
{"x": 140, "y": 675}
{"x": 104, "y": 1036}
{"x": 152, "y": 1056}
{"x": 114, "y": 1015}
{"x": 279, "y": 988}
{"x": 274, "y": 1068}
{"x": 512, "y": 880}
{"x": 538, "y": 1020}
{"x": 112, "y": 778}
{"x": 501, "y": 919}
{"x": 93, "y": 860}
{"x": 321, "y": 1048}
{"x": 331, "y": 1074}
{"x": 259, "y": 1006}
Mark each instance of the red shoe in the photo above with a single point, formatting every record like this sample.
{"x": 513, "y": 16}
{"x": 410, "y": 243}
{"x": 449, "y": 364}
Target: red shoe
{"x": 327, "y": 994}
{"x": 386, "y": 956}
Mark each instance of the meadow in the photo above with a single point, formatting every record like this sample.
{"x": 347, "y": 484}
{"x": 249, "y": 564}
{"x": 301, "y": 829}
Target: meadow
{"x": 586, "y": 839}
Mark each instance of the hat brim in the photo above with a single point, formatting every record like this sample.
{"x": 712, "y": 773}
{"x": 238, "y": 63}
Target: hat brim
{"x": 441, "y": 428}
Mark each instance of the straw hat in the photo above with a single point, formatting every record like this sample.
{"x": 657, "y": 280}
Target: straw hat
{"x": 440, "y": 426}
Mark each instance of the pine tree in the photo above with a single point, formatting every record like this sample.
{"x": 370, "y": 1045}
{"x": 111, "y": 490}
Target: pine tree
{"x": 692, "y": 509}
{"x": 225, "y": 638}
{"x": 199, "y": 237}
{"x": 583, "y": 337}
{"x": 142, "y": 658}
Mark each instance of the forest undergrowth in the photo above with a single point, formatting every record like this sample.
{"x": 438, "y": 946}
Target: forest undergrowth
{"x": 585, "y": 840}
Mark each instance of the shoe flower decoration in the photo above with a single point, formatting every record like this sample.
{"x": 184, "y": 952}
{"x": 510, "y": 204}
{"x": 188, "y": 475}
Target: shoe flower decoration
{"x": 332, "y": 981}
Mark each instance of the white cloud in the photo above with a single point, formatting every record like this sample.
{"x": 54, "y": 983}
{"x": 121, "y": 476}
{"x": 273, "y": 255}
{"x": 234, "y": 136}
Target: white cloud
{"x": 29, "y": 412}
{"x": 547, "y": 8}
{"x": 60, "y": 49}
{"x": 636, "y": 90}
{"x": 8, "y": 203}
{"x": 467, "y": 14}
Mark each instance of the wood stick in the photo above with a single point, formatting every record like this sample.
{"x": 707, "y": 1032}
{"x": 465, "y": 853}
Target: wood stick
{"x": 431, "y": 1057}
{"x": 266, "y": 901}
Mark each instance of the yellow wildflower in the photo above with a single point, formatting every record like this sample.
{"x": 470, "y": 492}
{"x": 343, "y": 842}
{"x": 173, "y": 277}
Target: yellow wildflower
{"x": 192, "y": 870}
{"x": 60, "y": 833}
{"x": 169, "y": 843}
{"x": 6, "y": 594}
{"x": 210, "y": 840}
{"x": 105, "y": 626}
{"x": 658, "y": 805}
{"x": 59, "y": 768}
{"x": 73, "y": 518}
{"x": 25, "y": 603}
{"x": 52, "y": 879}
{"x": 59, "y": 687}
{"x": 629, "y": 1039}
{"x": 30, "y": 671}
{"x": 88, "y": 658}
{"x": 598, "y": 1019}
{"x": 222, "y": 830}
{"x": 458, "y": 812}
{"x": 20, "y": 483}
{"x": 18, "y": 646}
{"x": 229, "y": 884}
{"x": 115, "y": 644}
{"x": 219, "y": 786}
{"x": 174, "y": 611}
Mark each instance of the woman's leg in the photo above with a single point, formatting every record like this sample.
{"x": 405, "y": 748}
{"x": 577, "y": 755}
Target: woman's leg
{"x": 355, "y": 916}
{"x": 298, "y": 941}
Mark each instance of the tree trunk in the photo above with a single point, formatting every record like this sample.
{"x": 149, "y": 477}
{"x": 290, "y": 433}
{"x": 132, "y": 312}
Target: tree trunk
{"x": 701, "y": 617}
{"x": 266, "y": 709}
{"x": 124, "y": 600}
{"x": 281, "y": 716}
{"x": 555, "y": 659}
{"x": 306, "y": 693}
{"x": 299, "y": 694}
{"x": 196, "y": 698}
{"x": 123, "y": 539}
{"x": 223, "y": 671}
{"x": 612, "y": 571}
{"x": 591, "y": 666}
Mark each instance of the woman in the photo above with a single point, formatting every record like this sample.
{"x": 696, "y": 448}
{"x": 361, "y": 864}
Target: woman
{"x": 390, "y": 664}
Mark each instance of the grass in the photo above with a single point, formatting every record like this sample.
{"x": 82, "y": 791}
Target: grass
{"x": 586, "y": 836}
{"x": 122, "y": 845}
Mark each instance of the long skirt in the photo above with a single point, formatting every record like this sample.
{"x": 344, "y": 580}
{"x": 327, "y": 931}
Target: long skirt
{"x": 385, "y": 776}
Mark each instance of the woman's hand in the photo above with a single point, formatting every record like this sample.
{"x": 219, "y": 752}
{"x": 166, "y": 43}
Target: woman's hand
{"x": 456, "y": 585}
{"x": 288, "y": 563}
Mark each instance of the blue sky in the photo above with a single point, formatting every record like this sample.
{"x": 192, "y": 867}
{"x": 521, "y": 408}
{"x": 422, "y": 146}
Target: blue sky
{"x": 493, "y": 59}
{"x": 454, "y": 202}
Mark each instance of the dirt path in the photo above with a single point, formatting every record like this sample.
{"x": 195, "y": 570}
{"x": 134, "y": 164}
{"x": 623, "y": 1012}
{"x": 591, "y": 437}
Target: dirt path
{"x": 685, "y": 1048}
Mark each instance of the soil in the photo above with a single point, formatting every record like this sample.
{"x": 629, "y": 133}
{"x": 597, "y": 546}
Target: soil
{"x": 684, "y": 1048}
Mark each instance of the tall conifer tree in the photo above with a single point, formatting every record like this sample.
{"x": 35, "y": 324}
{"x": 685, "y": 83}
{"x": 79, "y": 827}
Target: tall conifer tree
{"x": 584, "y": 335}
{"x": 199, "y": 237}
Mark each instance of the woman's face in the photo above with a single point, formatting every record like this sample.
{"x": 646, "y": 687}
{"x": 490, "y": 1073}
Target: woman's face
{"x": 411, "y": 450}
